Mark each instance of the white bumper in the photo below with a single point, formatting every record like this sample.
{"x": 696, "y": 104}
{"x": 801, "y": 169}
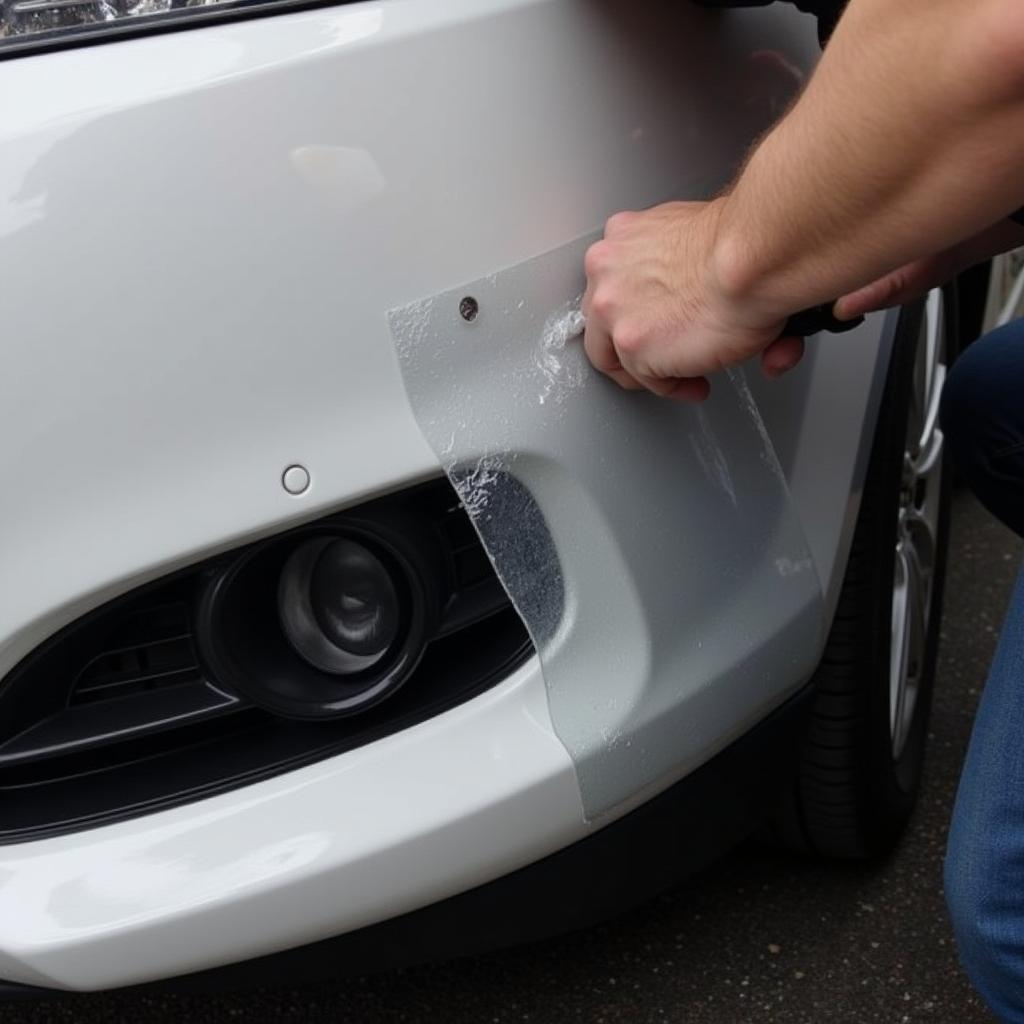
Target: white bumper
{"x": 200, "y": 235}
{"x": 447, "y": 805}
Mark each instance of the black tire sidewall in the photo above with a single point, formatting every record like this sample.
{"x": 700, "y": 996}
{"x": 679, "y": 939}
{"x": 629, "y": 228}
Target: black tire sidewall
{"x": 853, "y": 798}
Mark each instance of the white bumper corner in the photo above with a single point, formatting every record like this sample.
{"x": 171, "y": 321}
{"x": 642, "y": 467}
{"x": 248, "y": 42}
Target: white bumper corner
{"x": 381, "y": 830}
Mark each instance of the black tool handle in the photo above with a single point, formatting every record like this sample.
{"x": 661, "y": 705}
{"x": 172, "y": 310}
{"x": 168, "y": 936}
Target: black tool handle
{"x": 807, "y": 6}
{"x": 818, "y": 318}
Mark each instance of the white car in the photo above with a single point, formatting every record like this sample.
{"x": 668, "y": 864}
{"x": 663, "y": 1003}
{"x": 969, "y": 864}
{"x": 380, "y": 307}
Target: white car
{"x": 263, "y": 697}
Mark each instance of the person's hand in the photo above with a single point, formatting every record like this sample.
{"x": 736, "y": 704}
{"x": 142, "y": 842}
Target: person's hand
{"x": 903, "y": 285}
{"x": 657, "y": 316}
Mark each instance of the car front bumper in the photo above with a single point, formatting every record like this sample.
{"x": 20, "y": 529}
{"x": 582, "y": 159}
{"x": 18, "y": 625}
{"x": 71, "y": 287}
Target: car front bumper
{"x": 411, "y": 819}
{"x": 201, "y": 236}
{"x": 605, "y": 872}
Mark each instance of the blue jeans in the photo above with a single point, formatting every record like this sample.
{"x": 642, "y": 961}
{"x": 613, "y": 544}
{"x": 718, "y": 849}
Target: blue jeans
{"x": 983, "y": 420}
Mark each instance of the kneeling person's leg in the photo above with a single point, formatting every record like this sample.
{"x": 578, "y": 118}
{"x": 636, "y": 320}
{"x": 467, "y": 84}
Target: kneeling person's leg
{"x": 983, "y": 417}
{"x": 983, "y": 420}
{"x": 985, "y": 859}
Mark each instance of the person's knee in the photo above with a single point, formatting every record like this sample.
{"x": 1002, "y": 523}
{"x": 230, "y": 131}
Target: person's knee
{"x": 969, "y": 414}
{"x": 982, "y": 418}
{"x": 956, "y": 413}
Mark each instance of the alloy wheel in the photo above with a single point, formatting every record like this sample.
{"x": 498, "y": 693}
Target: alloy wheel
{"x": 920, "y": 506}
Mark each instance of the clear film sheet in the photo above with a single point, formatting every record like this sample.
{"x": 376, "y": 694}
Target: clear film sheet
{"x": 642, "y": 541}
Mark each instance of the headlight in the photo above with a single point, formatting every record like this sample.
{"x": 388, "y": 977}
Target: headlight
{"x": 32, "y": 24}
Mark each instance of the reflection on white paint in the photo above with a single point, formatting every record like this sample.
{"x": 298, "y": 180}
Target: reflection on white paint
{"x": 147, "y": 884}
{"x": 58, "y": 95}
{"x": 345, "y": 178}
{"x": 136, "y": 880}
{"x": 17, "y": 213}
{"x": 73, "y": 85}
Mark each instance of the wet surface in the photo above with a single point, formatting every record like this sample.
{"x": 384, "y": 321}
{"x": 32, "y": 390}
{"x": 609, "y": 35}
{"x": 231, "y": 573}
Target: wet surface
{"x": 758, "y": 938}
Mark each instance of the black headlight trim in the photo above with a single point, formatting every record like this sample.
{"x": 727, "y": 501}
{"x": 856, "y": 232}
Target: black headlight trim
{"x": 73, "y": 37}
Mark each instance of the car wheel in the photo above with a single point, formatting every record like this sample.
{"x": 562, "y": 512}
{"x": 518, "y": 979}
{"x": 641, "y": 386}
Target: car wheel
{"x": 1005, "y": 298}
{"x": 861, "y": 763}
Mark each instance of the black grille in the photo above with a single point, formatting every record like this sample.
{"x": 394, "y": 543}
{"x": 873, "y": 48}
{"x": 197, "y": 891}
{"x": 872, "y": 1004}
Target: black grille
{"x": 115, "y": 716}
{"x": 151, "y": 650}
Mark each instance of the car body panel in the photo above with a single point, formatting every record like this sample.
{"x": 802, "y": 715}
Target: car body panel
{"x": 820, "y": 417}
{"x": 201, "y": 233}
{"x": 215, "y": 312}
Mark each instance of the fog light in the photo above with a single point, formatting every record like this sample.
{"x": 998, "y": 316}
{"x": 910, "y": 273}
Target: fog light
{"x": 323, "y": 621}
{"x": 338, "y": 605}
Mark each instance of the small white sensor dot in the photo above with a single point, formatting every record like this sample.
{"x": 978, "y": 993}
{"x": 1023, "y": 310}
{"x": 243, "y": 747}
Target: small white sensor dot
{"x": 296, "y": 479}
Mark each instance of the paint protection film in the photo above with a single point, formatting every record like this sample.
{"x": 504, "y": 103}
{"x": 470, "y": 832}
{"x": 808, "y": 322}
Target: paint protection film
{"x": 650, "y": 547}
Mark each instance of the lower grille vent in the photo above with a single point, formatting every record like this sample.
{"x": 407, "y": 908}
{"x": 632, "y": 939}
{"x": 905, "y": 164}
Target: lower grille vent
{"x": 119, "y": 715}
{"x": 151, "y": 650}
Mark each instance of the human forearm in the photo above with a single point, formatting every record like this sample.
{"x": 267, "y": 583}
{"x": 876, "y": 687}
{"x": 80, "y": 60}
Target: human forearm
{"x": 909, "y": 138}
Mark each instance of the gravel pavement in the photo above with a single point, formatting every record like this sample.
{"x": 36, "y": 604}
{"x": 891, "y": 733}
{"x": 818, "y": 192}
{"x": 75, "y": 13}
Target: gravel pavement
{"x": 758, "y": 938}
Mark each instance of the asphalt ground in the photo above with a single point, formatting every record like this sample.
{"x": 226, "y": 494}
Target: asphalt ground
{"x": 760, "y": 937}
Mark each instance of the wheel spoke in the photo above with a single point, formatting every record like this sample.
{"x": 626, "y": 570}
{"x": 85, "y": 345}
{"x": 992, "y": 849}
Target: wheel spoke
{"x": 1013, "y": 300}
{"x": 918, "y": 593}
{"x": 930, "y": 458}
{"x": 909, "y": 635}
{"x": 900, "y": 643}
{"x": 931, "y": 417}
{"x": 917, "y": 535}
{"x": 926, "y": 388}
{"x": 924, "y": 513}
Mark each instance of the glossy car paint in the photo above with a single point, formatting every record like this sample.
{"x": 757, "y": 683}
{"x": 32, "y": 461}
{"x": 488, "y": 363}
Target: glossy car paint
{"x": 200, "y": 235}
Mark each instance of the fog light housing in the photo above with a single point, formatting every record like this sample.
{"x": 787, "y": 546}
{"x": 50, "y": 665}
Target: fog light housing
{"x": 320, "y": 623}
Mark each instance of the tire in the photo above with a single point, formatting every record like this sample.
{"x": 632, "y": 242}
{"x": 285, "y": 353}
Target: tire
{"x": 860, "y": 766}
